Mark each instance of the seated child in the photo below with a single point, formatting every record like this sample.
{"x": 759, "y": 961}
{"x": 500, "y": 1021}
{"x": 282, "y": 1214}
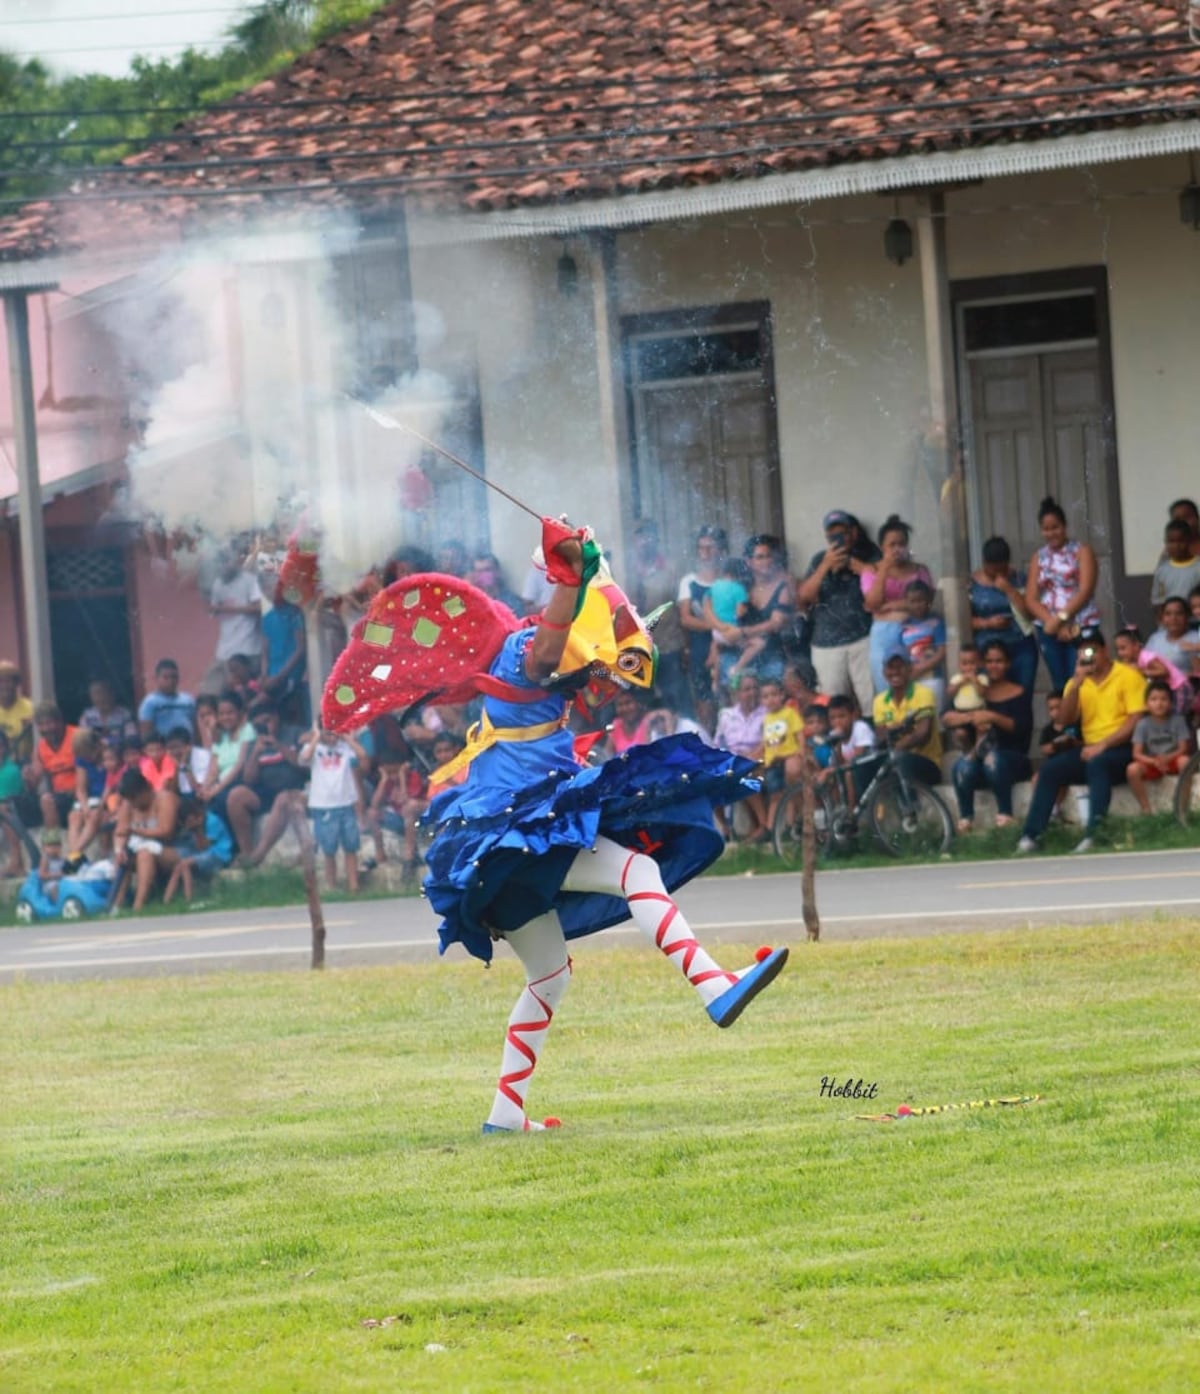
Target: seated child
{"x": 1127, "y": 644}
{"x": 850, "y": 738}
{"x": 967, "y": 691}
{"x": 204, "y": 845}
{"x": 849, "y": 734}
{"x": 156, "y": 766}
{"x": 1162, "y": 742}
{"x": 1055, "y": 736}
{"x": 87, "y": 813}
{"x": 400, "y": 797}
{"x": 724, "y": 606}
{"x": 816, "y": 735}
{"x": 783, "y": 744}
{"x": 52, "y": 866}
{"x": 192, "y": 761}
{"x": 923, "y": 635}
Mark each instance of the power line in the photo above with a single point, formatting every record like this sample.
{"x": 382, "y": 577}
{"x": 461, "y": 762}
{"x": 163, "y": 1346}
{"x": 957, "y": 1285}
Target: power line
{"x": 629, "y": 135}
{"x": 137, "y": 48}
{"x": 497, "y": 116}
{"x": 124, "y": 14}
{"x": 868, "y": 72}
{"x": 660, "y": 158}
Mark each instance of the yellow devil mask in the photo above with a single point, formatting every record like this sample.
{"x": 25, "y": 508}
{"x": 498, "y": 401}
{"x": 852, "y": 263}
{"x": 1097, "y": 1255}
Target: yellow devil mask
{"x": 609, "y": 639}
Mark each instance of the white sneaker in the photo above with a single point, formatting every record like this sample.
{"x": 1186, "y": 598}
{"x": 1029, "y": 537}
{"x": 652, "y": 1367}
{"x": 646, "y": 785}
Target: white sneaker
{"x": 1025, "y": 846}
{"x": 1083, "y": 845}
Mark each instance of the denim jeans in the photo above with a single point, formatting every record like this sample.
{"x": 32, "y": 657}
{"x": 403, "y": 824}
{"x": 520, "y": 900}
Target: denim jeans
{"x": 885, "y": 635}
{"x": 1099, "y": 773}
{"x": 1059, "y": 657}
{"x": 998, "y": 771}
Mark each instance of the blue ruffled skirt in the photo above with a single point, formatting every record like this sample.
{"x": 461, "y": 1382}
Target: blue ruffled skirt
{"x": 500, "y": 855}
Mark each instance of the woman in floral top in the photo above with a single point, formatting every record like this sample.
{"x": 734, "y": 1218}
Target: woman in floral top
{"x": 1059, "y": 590}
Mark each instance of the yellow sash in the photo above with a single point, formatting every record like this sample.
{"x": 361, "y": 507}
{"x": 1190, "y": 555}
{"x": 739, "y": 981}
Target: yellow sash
{"x": 482, "y": 736}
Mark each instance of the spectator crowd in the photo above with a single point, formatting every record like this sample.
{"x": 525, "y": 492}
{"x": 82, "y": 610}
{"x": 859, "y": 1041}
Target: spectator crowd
{"x": 801, "y": 672}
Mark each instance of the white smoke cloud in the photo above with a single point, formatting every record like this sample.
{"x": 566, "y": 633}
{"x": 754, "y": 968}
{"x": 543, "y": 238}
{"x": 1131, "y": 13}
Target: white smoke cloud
{"x": 244, "y": 356}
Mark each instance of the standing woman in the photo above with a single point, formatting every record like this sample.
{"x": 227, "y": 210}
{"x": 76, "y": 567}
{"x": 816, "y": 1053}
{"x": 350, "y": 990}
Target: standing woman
{"x": 999, "y": 611}
{"x": 712, "y": 546}
{"x": 883, "y": 588}
{"x": 1058, "y": 592}
{"x": 771, "y": 608}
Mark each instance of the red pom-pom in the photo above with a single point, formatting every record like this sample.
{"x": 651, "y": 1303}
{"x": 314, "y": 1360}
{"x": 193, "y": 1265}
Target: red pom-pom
{"x": 904, "y": 1111}
{"x": 551, "y": 1122}
{"x": 764, "y": 953}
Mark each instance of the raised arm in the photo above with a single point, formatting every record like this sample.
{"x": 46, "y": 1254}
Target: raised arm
{"x": 550, "y": 638}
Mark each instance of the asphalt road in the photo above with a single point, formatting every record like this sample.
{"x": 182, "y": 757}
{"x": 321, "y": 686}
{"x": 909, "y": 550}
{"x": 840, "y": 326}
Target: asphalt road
{"x": 887, "y": 901}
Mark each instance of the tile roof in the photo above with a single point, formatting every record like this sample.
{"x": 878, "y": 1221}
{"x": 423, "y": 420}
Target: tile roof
{"x": 495, "y": 104}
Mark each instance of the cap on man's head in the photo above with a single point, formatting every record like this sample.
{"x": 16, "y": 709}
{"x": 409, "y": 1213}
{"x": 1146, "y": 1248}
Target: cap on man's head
{"x": 1093, "y": 635}
{"x": 896, "y": 651}
{"x": 838, "y": 518}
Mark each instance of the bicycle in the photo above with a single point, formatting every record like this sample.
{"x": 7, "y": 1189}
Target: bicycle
{"x": 907, "y": 817}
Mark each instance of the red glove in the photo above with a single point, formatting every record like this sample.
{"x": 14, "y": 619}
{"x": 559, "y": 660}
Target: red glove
{"x": 558, "y": 569}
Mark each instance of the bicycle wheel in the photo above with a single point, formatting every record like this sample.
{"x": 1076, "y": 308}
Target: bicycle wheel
{"x": 910, "y": 820}
{"x": 1187, "y": 794}
{"x": 789, "y": 824}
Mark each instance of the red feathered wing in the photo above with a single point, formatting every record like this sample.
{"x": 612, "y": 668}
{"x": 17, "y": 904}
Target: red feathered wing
{"x": 424, "y": 637}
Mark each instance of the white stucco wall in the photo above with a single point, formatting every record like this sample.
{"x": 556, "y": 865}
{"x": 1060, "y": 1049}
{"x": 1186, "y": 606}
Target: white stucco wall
{"x": 849, "y": 342}
{"x": 498, "y": 307}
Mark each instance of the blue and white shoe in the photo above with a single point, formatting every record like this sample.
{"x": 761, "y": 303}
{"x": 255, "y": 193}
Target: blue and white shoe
{"x": 726, "y": 1009}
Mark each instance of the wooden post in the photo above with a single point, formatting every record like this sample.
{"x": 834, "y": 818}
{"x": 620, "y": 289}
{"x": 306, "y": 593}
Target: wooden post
{"x": 944, "y": 440}
{"x": 39, "y": 665}
{"x": 808, "y": 855}
{"x": 312, "y": 890}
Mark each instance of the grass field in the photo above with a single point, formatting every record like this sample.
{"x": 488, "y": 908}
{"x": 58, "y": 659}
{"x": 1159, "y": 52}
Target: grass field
{"x": 216, "y": 1183}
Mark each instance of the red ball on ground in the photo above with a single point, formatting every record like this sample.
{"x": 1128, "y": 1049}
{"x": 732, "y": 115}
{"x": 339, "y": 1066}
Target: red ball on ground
{"x": 551, "y": 1122}
{"x": 904, "y": 1111}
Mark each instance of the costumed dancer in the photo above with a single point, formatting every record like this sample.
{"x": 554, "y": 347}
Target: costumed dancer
{"x": 530, "y": 845}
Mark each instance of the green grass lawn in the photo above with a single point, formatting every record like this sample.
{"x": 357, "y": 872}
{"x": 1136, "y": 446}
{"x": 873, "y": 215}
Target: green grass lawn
{"x": 216, "y": 1183}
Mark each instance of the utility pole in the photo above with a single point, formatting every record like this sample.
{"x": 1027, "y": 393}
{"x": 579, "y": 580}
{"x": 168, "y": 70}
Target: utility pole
{"x": 39, "y": 666}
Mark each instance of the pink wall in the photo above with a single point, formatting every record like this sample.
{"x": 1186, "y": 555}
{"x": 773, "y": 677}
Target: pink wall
{"x": 80, "y": 401}
{"x": 10, "y": 631}
{"x": 170, "y": 620}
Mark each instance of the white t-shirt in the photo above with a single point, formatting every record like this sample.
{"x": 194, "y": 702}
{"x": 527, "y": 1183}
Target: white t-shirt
{"x": 537, "y": 590}
{"x": 195, "y": 772}
{"x": 860, "y": 735}
{"x": 239, "y": 633}
{"x": 332, "y": 784}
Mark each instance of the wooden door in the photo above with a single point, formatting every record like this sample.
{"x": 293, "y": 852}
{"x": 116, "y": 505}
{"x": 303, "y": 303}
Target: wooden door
{"x": 1040, "y": 425}
{"x": 705, "y": 454}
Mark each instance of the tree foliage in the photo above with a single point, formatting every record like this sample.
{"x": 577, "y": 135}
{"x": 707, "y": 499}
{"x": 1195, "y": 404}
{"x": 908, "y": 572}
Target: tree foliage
{"x": 52, "y": 126}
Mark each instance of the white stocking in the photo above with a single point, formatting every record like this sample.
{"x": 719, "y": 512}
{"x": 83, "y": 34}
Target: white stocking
{"x": 615, "y": 870}
{"x": 543, "y": 953}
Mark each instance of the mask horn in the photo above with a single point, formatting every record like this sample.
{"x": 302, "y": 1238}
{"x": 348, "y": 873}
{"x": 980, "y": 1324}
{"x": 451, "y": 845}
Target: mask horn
{"x": 655, "y": 615}
{"x": 624, "y": 623}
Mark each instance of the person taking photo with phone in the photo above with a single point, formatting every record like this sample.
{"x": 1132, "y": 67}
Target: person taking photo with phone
{"x": 832, "y": 591}
{"x": 1108, "y": 700}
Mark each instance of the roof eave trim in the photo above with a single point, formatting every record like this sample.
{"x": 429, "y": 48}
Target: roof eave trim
{"x": 810, "y": 186}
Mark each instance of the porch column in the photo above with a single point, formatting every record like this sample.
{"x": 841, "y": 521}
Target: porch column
{"x": 943, "y": 440}
{"x": 610, "y": 372}
{"x": 39, "y": 677}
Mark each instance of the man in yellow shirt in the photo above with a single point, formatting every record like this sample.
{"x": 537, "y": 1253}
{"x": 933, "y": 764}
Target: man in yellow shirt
{"x": 922, "y": 745}
{"x": 1106, "y": 699}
